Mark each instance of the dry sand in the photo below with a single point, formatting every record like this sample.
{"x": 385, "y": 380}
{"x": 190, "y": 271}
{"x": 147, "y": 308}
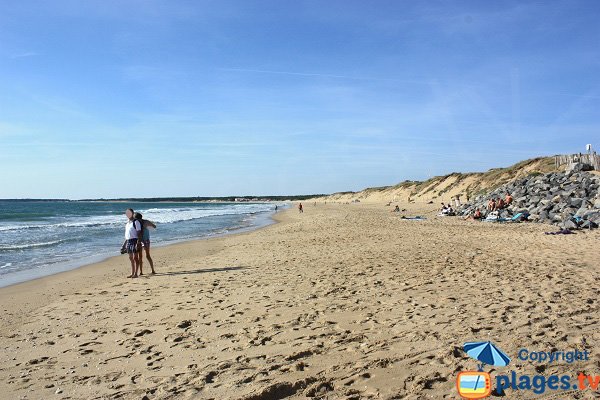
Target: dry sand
{"x": 341, "y": 302}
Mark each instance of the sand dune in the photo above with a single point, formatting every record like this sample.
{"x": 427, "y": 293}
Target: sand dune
{"x": 445, "y": 188}
{"x": 342, "y": 301}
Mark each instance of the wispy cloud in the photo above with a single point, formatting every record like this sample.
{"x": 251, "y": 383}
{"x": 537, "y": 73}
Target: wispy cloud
{"x": 324, "y": 75}
{"x": 60, "y": 105}
{"x": 150, "y": 73}
{"x": 25, "y": 54}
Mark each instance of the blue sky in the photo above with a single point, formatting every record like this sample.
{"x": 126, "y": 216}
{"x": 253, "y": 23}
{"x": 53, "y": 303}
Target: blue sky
{"x": 165, "y": 98}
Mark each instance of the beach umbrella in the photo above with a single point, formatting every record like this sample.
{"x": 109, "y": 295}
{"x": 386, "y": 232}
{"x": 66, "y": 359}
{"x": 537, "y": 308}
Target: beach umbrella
{"x": 486, "y": 353}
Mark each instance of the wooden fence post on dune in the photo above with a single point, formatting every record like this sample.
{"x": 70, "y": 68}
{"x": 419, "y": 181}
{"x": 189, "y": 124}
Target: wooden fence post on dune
{"x": 591, "y": 158}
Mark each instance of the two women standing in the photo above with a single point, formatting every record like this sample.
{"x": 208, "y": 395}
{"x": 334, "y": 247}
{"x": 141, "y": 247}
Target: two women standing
{"x": 137, "y": 236}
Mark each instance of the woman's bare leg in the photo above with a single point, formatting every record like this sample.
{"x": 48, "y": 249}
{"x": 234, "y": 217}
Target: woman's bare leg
{"x": 147, "y": 250}
{"x": 140, "y": 261}
{"x": 132, "y": 260}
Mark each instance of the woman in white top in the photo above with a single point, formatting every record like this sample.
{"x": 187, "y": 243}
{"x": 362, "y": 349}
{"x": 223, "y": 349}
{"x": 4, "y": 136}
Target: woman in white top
{"x": 133, "y": 246}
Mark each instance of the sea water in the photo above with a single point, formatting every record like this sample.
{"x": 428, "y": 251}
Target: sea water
{"x": 39, "y": 238}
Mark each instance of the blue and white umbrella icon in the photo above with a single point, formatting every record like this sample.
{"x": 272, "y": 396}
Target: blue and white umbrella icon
{"x": 486, "y": 353}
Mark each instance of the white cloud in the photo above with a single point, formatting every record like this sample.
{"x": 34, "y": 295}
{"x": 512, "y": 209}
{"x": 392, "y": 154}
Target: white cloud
{"x": 25, "y": 54}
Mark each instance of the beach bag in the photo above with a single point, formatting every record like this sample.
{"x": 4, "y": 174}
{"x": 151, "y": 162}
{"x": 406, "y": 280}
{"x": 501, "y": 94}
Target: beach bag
{"x": 493, "y": 216}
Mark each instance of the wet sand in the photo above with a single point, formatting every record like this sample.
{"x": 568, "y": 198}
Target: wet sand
{"x": 342, "y": 301}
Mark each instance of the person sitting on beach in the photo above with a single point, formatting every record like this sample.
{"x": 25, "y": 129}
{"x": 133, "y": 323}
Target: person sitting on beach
{"x": 491, "y": 205}
{"x": 396, "y": 209}
{"x": 445, "y": 210}
{"x": 449, "y": 210}
{"x": 476, "y": 215}
{"x": 508, "y": 199}
{"x": 132, "y": 246}
{"x": 145, "y": 242}
{"x": 500, "y": 204}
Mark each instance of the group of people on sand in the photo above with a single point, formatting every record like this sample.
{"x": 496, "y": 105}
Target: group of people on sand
{"x": 137, "y": 237}
{"x": 494, "y": 204}
{"x": 499, "y": 203}
{"x": 447, "y": 210}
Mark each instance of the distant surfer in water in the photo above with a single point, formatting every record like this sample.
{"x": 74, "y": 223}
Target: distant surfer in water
{"x": 146, "y": 225}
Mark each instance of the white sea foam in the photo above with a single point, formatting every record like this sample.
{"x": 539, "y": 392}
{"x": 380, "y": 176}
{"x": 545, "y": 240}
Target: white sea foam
{"x": 159, "y": 215}
{"x": 171, "y": 215}
{"x": 4, "y": 247}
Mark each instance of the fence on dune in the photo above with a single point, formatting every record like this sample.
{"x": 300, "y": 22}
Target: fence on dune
{"x": 592, "y": 159}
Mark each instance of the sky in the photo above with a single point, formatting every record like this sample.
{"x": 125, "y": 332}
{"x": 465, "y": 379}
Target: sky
{"x": 216, "y": 98}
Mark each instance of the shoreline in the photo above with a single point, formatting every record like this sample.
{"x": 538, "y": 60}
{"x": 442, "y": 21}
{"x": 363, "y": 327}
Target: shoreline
{"x": 35, "y": 287}
{"x": 15, "y": 278}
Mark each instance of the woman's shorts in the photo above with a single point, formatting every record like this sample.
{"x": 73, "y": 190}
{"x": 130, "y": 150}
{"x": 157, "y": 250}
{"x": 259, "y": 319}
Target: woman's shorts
{"x": 146, "y": 243}
{"x": 132, "y": 246}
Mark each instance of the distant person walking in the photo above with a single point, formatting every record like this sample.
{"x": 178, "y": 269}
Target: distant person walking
{"x": 146, "y": 225}
{"x": 300, "y": 210}
{"x": 132, "y": 246}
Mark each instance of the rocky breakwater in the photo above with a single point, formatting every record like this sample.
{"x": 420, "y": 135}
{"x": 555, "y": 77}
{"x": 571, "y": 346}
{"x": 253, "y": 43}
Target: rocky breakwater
{"x": 570, "y": 199}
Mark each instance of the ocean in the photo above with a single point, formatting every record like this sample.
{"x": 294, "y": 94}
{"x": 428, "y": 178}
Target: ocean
{"x": 39, "y": 238}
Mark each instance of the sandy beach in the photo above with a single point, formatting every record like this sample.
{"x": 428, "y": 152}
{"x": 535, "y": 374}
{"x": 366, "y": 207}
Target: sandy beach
{"x": 340, "y": 302}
